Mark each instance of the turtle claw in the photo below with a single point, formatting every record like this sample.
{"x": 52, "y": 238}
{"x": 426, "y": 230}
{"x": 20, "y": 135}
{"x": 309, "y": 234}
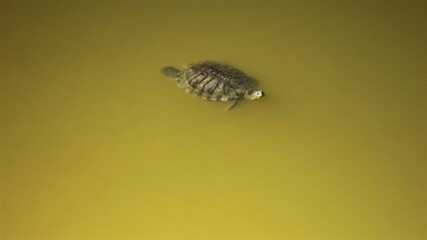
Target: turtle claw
{"x": 232, "y": 105}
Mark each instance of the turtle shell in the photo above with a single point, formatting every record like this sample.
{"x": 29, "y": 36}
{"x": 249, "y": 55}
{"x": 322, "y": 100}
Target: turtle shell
{"x": 214, "y": 81}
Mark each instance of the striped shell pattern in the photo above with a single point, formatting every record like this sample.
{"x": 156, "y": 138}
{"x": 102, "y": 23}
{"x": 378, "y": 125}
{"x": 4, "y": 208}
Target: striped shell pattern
{"x": 214, "y": 81}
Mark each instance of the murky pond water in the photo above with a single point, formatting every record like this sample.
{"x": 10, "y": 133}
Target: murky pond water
{"x": 96, "y": 143}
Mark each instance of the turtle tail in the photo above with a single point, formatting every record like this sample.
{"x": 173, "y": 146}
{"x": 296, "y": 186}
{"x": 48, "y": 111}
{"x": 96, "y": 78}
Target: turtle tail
{"x": 170, "y": 72}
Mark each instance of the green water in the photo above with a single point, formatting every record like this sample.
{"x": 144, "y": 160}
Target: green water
{"x": 96, "y": 143}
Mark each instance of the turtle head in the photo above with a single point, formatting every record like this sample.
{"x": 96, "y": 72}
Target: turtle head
{"x": 253, "y": 94}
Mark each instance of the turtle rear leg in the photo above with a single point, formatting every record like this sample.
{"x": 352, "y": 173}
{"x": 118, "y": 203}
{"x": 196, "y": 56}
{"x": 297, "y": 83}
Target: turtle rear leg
{"x": 232, "y": 105}
{"x": 170, "y": 72}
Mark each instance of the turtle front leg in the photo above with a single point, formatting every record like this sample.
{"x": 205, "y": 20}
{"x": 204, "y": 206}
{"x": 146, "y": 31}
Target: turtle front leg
{"x": 232, "y": 105}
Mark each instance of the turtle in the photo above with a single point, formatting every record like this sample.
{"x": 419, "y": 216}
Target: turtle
{"x": 214, "y": 81}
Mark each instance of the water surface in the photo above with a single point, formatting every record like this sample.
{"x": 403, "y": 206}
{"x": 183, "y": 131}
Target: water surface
{"x": 96, "y": 143}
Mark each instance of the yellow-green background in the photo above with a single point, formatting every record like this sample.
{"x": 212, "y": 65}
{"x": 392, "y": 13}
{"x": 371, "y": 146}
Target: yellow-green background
{"x": 96, "y": 143}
